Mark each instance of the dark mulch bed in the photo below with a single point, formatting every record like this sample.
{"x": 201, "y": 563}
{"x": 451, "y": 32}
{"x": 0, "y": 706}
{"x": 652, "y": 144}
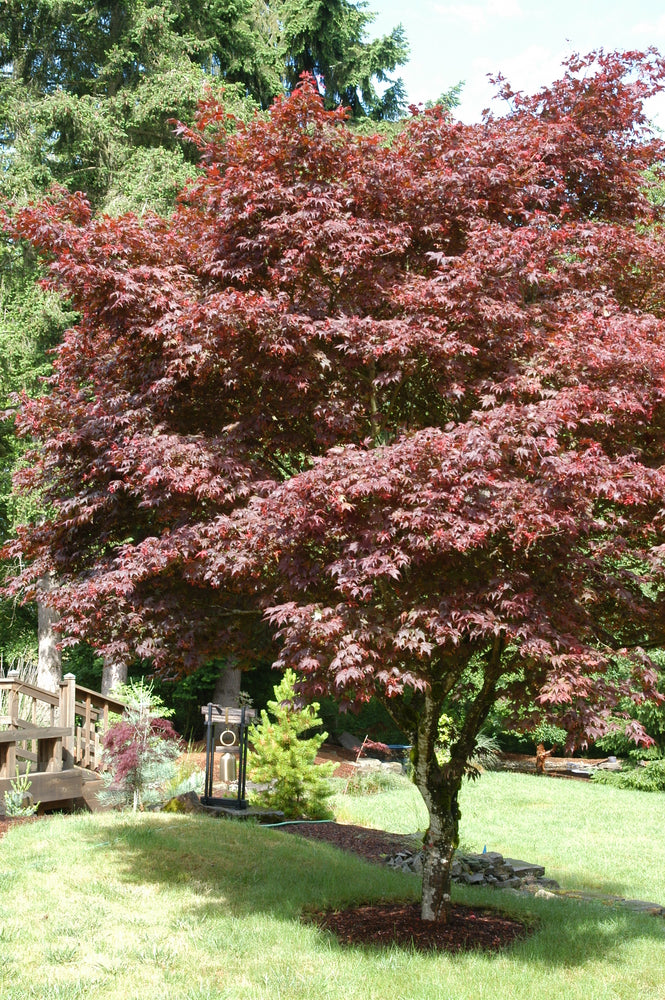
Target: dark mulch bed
{"x": 384, "y": 924}
{"x": 372, "y": 845}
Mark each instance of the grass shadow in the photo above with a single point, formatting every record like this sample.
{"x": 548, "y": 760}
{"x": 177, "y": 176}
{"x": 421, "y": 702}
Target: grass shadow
{"x": 246, "y": 870}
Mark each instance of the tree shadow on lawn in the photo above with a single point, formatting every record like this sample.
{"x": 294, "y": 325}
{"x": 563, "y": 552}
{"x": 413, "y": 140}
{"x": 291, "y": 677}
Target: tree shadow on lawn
{"x": 241, "y": 869}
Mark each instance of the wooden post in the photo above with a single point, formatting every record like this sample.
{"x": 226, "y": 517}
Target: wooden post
{"x": 49, "y": 755}
{"x": 12, "y": 675}
{"x": 87, "y": 728}
{"x": 68, "y": 716}
{"x": 8, "y": 760}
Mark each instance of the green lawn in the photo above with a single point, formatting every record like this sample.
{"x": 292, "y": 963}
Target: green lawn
{"x": 185, "y": 908}
{"x": 587, "y": 836}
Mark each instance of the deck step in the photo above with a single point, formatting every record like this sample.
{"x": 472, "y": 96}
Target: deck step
{"x": 92, "y": 785}
{"x": 51, "y": 788}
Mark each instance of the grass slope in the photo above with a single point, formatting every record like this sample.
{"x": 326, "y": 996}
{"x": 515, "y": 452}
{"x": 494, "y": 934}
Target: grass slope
{"x": 189, "y": 908}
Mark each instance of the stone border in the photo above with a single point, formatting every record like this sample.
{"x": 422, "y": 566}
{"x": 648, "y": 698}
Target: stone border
{"x": 491, "y": 869}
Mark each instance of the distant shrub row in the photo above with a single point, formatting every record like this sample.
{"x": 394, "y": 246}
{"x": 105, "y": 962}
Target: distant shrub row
{"x": 650, "y": 778}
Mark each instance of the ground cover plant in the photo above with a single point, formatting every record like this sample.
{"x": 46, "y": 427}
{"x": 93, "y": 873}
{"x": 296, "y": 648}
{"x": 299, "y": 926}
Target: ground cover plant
{"x": 406, "y": 399}
{"x": 648, "y": 778}
{"x": 188, "y": 908}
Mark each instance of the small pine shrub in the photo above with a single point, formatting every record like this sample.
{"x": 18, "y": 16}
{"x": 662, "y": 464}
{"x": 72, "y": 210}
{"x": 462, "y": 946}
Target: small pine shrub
{"x": 18, "y": 801}
{"x": 282, "y": 757}
{"x": 642, "y": 779}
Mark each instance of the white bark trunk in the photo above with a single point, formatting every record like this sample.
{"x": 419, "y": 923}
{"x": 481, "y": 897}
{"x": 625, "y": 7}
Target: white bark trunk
{"x": 227, "y": 688}
{"x": 49, "y": 664}
{"x": 113, "y": 674}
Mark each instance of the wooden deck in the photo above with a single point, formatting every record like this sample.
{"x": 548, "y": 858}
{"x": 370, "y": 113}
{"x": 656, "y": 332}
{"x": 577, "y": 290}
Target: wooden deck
{"x": 58, "y": 737}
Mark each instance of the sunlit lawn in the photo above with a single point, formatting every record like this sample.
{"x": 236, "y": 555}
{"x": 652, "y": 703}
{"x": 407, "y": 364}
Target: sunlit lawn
{"x": 587, "y": 836}
{"x": 186, "y": 908}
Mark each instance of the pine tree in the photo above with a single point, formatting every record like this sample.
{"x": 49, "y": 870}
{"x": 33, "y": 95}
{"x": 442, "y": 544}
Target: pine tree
{"x": 328, "y": 38}
{"x": 281, "y": 756}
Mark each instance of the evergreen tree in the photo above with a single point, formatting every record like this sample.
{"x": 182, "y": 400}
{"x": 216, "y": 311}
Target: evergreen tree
{"x": 283, "y": 757}
{"x": 328, "y": 38}
{"x": 92, "y": 90}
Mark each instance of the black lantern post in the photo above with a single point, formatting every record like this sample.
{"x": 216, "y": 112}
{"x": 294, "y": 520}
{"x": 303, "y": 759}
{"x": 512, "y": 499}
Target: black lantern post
{"x": 216, "y": 715}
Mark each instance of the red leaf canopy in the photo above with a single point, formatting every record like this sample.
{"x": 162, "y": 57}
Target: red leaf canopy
{"x": 406, "y": 397}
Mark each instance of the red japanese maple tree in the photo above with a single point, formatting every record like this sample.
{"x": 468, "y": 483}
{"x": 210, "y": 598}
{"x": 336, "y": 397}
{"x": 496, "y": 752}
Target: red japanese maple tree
{"x": 407, "y": 399}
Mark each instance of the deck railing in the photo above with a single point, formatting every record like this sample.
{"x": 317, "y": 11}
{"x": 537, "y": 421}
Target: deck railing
{"x": 83, "y": 713}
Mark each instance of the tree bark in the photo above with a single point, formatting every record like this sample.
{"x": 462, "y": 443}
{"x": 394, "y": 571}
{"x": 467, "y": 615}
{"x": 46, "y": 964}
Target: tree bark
{"x": 439, "y": 784}
{"x": 113, "y": 674}
{"x": 49, "y": 663}
{"x": 227, "y": 688}
{"x": 439, "y": 787}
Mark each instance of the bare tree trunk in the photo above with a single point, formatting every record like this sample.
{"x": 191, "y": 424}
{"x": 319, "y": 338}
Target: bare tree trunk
{"x": 113, "y": 674}
{"x": 227, "y": 688}
{"x": 49, "y": 664}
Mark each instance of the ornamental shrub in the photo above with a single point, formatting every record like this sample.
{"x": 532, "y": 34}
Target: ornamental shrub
{"x": 18, "y": 801}
{"x": 283, "y": 758}
{"x": 140, "y": 749}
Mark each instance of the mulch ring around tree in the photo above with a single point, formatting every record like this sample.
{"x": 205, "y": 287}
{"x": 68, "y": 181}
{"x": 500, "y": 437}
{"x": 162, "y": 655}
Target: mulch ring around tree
{"x": 399, "y": 923}
{"x": 384, "y": 924}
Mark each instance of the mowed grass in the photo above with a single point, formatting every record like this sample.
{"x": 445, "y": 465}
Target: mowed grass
{"x": 186, "y": 908}
{"x": 588, "y": 836}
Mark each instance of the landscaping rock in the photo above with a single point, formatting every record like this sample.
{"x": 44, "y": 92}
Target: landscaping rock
{"x": 490, "y": 868}
{"x": 517, "y": 877}
{"x": 349, "y": 742}
{"x": 188, "y": 802}
{"x": 522, "y": 869}
{"x": 369, "y": 764}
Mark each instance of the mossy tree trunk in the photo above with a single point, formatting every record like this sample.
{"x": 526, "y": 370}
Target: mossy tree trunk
{"x": 439, "y": 782}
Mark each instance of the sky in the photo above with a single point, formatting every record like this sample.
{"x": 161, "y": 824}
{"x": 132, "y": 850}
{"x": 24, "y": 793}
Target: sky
{"x": 525, "y": 40}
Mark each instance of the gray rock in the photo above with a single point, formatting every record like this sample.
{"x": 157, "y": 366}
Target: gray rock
{"x": 641, "y": 906}
{"x": 349, "y": 742}
{"x": 510, "y": 883}
{"x": 416, "y": 863}
{"x": 523, "y": 868}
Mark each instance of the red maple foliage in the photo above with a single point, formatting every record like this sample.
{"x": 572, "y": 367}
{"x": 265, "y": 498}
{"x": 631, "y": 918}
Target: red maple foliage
{"x": 408, "y": 399}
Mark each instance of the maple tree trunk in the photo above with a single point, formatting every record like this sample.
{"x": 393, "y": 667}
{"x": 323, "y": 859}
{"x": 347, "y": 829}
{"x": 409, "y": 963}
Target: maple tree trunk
{"x": 440, "y": 844}
{"x": 49, "y": 663}
{"x": 113, "y": 674}
{"x": 439, "y": 789}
